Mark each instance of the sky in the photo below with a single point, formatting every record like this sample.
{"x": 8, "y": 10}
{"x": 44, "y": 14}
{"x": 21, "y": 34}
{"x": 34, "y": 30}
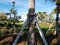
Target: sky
{"x": 22, "y": 6}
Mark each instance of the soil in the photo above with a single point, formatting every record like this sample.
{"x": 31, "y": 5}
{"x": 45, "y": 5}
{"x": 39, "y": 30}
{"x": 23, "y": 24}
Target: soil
{"x": 51, "y": 40}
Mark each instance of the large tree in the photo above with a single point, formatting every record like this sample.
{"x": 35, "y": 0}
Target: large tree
{"x": 31, "y": 24}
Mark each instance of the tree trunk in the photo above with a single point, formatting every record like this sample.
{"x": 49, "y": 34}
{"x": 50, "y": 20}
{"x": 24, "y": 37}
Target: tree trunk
{"x": 14, "y": 23}
{"x": 57, "y": 18}
{"x": 31, "y": 23}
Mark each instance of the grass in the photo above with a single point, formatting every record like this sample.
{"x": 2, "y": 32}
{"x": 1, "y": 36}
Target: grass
{"x": 44, "y": 25}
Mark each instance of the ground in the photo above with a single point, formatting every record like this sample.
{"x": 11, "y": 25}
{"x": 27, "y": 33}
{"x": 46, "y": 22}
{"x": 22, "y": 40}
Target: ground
{"x": 51, "y": 39}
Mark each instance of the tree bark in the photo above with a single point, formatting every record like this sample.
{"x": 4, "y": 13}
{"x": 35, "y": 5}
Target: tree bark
{"x": 57, "y": 18}
{"x": 31, "y": 23}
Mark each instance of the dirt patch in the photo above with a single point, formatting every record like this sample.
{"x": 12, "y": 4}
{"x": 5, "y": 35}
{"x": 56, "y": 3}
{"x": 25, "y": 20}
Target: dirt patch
{"x": 51, "y": 39}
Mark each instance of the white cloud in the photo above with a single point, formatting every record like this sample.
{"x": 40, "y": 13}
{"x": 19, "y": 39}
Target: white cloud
{"x": 55, "y": 16}
{"x": 22, "y": 14}
{"x": 23, "y": 17}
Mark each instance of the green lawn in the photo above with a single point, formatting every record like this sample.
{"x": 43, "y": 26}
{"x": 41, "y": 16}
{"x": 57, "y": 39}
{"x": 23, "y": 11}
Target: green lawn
{"x": 44, "y": 25}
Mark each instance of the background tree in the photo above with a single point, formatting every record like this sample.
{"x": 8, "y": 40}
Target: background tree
{"x": 51, "y": 17}
{"x": 17, "y": 18}
{"x": 3, "y": 17}
{"x": 43, "y": 16}
{"x": 57, "y": 12}
{"x": 13, "y": 12}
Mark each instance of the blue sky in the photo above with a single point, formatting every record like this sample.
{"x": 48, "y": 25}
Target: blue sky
{"x": 22, "y": 6}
